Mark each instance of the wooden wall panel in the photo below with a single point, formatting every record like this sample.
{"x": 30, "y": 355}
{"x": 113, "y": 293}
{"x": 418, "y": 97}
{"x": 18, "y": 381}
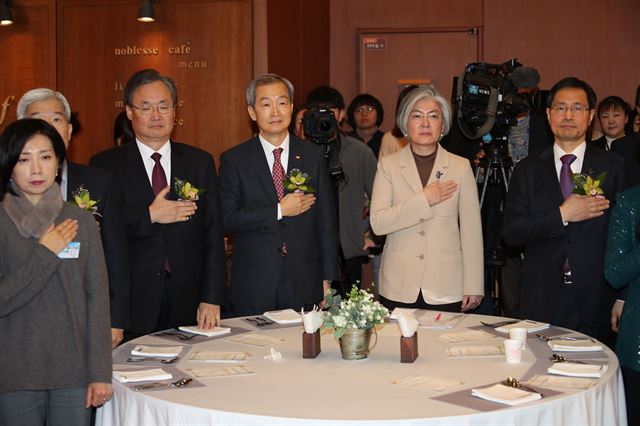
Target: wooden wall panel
{"x": 298, "y": 43}
{"x": 205, "y": 46}
{"x": 595, "y": 41}
{"x": 28, "y": 54}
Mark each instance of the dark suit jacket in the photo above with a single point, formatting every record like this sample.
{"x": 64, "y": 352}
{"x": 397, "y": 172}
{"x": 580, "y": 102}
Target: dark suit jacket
{"x": 194, "y": 248}
{"x": 532, "y": 218}
{"x": 628, "y": 148}
{"x": 102, "y": 188}
{"x": 262, "y": 278}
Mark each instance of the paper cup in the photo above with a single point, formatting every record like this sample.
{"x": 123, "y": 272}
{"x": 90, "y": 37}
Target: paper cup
{"x": 519, "y": 334}
{"x": 513, "y": 351}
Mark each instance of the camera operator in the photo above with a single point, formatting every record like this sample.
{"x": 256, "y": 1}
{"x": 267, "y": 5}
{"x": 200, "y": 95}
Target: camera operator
{"x": 352, "y": 167}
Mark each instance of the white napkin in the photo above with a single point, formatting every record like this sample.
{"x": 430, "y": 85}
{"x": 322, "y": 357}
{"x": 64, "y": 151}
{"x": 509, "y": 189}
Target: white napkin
{"x": 505, "y": 394}
{"x": 141, "y": 375}
{"x": 157, "y": 351}
{"x": 312, "y": 320}
{"x": 408, "y": 324}
{"x": 285, "y": 316}
{"x": 530, "y": 325}
{"x": 401, "y": 311}
{"x": 574, "y": 345}
{"x": 217, "y": 331}
{"x": 577, "y": 370}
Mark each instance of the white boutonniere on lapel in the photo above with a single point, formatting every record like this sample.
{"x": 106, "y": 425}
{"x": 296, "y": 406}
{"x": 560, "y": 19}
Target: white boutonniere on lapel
{"x": 81, "y": 197}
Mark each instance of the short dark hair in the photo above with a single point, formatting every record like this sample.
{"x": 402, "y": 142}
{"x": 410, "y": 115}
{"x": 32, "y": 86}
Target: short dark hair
{"x": 325, "y": 96}
{"x": 12, "y": 141}
{"x": 148, "y": 76}
{"x": 615, "y": 102}
{"x": 122, "y": 129}
{"x": 368, "y": 100}
{"x": 572, "y": 83}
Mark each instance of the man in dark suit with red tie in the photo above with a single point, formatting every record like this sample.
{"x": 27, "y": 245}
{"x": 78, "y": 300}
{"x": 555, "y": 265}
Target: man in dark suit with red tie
{"x": 53, "y": 107}
{"x": 564, "y": 234}
{"x": 175, "y": 244}
{"x": 285, "y": 244}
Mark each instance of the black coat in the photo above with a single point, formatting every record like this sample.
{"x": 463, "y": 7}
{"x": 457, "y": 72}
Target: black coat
{"x": 262, "y": 278}
{"x": 532, "y": 219}
{"x": 194, "y": 248}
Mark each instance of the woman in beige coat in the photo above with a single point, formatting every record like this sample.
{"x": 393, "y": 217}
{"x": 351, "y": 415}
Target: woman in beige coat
{"x": 425, "y": 200}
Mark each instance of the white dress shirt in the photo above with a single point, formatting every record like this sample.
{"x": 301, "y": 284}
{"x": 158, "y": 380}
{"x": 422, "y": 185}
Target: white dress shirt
{"x": 284, "y": 158}
{"x": 576, "y": 166}
{"x": 149, "y": 163}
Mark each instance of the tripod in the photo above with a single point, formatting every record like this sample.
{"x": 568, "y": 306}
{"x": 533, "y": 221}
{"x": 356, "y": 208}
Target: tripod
{"x": 496, "y": 167}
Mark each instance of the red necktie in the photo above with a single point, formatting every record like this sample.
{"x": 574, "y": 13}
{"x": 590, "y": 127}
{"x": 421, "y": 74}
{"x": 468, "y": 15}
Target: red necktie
{"x": 158, "y": 183}
{"x": 158, "y": 177}
{"x": 278, "y": 173}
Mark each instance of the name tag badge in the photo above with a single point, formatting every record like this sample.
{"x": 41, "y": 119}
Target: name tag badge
{"x": 71, "y": 251}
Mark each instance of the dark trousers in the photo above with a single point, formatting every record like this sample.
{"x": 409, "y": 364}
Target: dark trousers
{"x": 632, "y": 394}
{"x": 57, "y": 407}
{"x": 420, "y": 304}
{"x": 566, "y": 314}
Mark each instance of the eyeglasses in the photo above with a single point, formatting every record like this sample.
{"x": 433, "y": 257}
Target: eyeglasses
{"x": 561, "y": 109}
{"x": 364, "y": 109}
{"x": 147, "y": 109}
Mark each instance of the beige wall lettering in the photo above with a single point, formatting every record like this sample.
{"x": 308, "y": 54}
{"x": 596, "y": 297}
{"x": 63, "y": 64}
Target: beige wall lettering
{"x": 5, "y": 107}
{"x": 135, "y": 51}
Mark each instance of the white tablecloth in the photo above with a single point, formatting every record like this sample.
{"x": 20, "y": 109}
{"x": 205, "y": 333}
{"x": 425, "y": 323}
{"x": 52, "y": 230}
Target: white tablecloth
{"x": 330, "y": 390}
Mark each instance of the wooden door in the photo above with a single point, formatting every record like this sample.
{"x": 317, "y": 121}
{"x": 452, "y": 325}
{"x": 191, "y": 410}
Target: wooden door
{"x": 391, "y": 58}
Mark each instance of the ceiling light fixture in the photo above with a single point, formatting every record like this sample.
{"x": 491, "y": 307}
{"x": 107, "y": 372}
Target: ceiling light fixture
{"x": 146, "y": 12}
{"x": 6, "y": 17}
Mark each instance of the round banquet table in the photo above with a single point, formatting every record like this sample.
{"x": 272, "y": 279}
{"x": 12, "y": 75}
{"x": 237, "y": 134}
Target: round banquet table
{"x": 330, "y": 390}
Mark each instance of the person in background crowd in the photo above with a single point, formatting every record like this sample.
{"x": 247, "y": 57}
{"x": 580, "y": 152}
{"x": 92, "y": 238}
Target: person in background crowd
{"x": 54, "y": 108}
{"x": 622, "y": 270}
{"x": 394, "y": 140}
{"x": 174, "y": 240}
{"x": 284, "y": 242}
{"x": 613, "y": 115}
{"x": 564, "y": 234}
{"x": 54, "y": 315}
{"x": 296, "y": 126}
{"x": 425, "y": 200}
{"x": 352, "y": 189}
{"x": 633, "y": 125}
{"x": 122, "y": 131}
{"x": 365, "y": 115}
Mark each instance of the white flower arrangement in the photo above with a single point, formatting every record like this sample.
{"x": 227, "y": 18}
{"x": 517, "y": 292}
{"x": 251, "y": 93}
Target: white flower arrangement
{"x": 358, "y": 311}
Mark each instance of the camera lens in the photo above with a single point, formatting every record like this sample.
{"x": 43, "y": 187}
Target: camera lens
{"x": 325, "y": 125}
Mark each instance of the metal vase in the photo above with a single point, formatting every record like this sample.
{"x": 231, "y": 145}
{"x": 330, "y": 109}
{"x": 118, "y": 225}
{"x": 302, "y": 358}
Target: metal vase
{"x": 354, "y": 343}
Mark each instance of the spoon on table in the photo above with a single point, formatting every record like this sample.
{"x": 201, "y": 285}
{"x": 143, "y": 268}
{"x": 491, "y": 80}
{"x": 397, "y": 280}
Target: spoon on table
{"x": 560, "y": 358}
{"x": 177, "y": 384}
{"x": 548, "y": 339}
{"x": 154, "y": 359}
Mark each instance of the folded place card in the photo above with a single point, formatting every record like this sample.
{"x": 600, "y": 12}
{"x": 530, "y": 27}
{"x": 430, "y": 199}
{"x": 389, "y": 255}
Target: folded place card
{"x": 217, "y": 331}
{"x": 219, "y": 356}
{"x": 505, "y": 394}
{"x": 575, "y": 345}
{"x": 156, "y": 351}
{"x": 466, "y": 336}
{"x": 436, "y": 384}
{"x": 236, "y": 370}
{"x": 438, "y": 320}
{"x": 141, "y": 375}
{"x": 561, "y": 383}
{"x": 285, "y": 316}
{"x": 475, "y": 351}
{"x": 529, "y": 325}
{"x": 577, "y": 370}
